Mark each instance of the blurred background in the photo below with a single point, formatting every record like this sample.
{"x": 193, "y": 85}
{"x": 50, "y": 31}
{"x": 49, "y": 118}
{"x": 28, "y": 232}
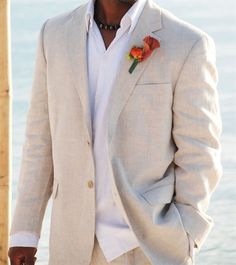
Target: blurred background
{"x": 218, "y": 19}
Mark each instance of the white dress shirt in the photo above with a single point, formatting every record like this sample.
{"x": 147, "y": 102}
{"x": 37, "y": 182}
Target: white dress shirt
{"x": 114, "y": 235}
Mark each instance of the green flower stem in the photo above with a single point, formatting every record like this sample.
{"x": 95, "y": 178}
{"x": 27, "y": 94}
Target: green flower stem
{"x": 134, "y": 64}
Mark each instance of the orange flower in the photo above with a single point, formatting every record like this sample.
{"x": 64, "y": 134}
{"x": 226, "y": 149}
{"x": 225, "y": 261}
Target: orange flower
{"x": 141, "y": 53}
{"x": 137, "y": 53}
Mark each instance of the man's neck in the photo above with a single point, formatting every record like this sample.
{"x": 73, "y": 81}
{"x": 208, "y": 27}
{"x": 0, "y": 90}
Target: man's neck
{"x": 111, "y": 11}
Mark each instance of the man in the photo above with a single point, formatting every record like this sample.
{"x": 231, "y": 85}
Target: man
{"x": 130, "y": 160}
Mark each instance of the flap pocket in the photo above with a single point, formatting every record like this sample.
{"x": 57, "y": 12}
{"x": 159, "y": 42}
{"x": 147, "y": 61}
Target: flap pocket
{"x": 161, "y": 192}
{"x": 54, "y": 188}
{"x": 153, "y": 85}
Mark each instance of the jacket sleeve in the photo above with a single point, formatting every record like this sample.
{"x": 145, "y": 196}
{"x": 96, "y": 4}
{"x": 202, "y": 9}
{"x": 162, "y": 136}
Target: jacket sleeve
{"x": 36, "y": 173}
{"x": 196, "y": 132}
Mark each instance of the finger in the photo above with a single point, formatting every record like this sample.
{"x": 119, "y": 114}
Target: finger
{"x": 14, "y": 262}
{"x": 17, "y": 261}
{"x": 30, "y": 260}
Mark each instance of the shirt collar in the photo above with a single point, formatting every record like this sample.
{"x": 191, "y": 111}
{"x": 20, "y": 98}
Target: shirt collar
{"x": 129, "y": 19}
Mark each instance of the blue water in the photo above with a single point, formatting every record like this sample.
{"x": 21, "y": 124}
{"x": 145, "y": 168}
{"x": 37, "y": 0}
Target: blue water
{"x": 218, "y": 18}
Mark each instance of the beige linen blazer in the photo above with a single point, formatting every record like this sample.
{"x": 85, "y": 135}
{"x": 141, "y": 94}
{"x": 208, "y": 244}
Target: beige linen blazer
{"x": 164, "y": 128}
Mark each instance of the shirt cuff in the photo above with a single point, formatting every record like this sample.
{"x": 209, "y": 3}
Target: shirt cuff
{"x": 23, "y": 239}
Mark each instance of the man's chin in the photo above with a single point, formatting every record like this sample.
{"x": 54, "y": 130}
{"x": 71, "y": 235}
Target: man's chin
{"x": 127, "y": 1}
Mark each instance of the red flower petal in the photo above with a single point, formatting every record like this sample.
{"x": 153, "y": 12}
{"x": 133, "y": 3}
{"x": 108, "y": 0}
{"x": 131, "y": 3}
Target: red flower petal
{"x": 152, "y": 42}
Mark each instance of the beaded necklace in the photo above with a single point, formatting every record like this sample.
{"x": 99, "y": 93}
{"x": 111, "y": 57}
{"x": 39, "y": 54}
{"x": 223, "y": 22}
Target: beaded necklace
{"x": 102, "y": 25}
{"x": 106, "y": 26}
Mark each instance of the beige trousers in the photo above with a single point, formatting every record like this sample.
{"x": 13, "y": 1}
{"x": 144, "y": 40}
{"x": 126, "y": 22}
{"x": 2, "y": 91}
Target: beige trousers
{"x": 132, "y": 257}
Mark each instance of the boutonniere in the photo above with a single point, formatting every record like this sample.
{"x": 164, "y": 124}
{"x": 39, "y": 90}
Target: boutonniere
{"x": 139, "y": 54}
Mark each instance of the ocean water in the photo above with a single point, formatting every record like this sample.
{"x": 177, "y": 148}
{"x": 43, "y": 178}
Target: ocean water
{"x": 217, "y": 18}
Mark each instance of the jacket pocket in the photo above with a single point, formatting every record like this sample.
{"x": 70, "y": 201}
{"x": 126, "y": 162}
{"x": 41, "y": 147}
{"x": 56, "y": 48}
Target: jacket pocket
{"x": 152, "y": 85}
{"x": 191, "y": 247}
{"x": 161, "y": 192}
{"x": 54, "y": 188}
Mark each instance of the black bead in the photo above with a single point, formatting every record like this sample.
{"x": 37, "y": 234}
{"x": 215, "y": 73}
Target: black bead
{"x": 107, "y": 26}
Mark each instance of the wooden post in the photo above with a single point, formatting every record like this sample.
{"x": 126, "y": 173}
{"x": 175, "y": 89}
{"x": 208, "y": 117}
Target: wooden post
{"x": 5, "y": 118}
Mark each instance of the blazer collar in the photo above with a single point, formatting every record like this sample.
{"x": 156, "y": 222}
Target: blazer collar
{"x": 76, "y": 41}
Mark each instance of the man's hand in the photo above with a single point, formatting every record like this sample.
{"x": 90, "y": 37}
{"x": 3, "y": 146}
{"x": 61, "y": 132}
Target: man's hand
{"x": 22, "y": 255}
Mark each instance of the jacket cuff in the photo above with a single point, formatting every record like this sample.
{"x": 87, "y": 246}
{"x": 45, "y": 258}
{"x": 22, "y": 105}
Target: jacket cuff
{"x": 196, "y": 223}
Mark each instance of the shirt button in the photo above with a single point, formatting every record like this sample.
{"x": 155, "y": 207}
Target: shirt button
{"x": 90, "y": 184}
{"x": 88, "y": 142}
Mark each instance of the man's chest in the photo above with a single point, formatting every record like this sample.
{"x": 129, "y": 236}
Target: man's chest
{"x": 108, "y": 36}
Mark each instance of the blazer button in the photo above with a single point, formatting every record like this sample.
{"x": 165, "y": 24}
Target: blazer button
{"x": 90, "y": 184}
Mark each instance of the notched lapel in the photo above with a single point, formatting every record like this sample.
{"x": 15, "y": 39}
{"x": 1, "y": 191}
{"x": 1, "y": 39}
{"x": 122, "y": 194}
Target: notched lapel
{"x": 76, "y": 41}
{"x": 149, "y": 22}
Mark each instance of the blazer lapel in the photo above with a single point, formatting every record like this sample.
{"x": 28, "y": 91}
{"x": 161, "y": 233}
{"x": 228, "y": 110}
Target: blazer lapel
{"x": 149, "y": 22}
{"x": 76, "y": 41}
